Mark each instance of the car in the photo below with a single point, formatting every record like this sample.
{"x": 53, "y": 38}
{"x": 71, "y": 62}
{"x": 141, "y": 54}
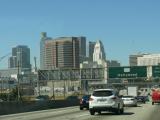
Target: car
{"x": 129, "y": 101}
{"x": 105, "y": 100}
{"x": 84, "y": 102}
{"x": 141, "y": 99}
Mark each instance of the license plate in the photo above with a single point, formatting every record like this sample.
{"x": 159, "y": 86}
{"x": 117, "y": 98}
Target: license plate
{"x": 102, "y": 100}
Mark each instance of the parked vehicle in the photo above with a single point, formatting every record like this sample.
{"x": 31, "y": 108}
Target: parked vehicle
{"x": 129, "y": 101}
{"x": 105, "y": 100}
{"x": 155, "y": 96}
{"x": 84, "y": 102}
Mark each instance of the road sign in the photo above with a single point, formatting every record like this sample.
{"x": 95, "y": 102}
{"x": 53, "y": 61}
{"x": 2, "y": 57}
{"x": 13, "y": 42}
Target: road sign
{"x": 128, "y": 72}
{"x": 156, "y": 71}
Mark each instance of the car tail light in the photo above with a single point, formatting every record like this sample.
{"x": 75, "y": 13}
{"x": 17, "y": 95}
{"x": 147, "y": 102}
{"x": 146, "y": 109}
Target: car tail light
{"x": 114, "y": 98}
{"x": 81, "y": 101}
{"x": 91, "y": 99}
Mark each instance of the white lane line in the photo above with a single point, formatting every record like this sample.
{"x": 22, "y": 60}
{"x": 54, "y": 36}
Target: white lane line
{"x": 82, "y": 115}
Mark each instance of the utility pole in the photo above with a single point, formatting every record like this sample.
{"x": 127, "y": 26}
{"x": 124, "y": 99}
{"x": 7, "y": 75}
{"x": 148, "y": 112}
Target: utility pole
{"x": 35, "y": 64}
{"x": 18, "y": 83}
{"x": 53, "y": 95}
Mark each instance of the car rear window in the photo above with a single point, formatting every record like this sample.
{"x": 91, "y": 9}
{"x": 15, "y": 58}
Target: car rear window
{"x": 128, "y": 97}
{"x": 86, "y": 97}
{"x": 102, "y": 93}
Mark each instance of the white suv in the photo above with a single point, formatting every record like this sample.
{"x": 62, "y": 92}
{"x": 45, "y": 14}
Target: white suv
{"x": 105, "y": 100}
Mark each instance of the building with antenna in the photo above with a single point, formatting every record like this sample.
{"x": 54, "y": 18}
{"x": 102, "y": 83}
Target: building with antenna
{"x": 43, "y": 39}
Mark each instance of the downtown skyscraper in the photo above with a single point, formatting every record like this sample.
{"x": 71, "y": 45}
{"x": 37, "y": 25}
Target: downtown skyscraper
{"x": 21, "y": 55}
{"x": 91, "y": 50}
{"x": 43, "y": 39}
{"x": 61, "y": 52}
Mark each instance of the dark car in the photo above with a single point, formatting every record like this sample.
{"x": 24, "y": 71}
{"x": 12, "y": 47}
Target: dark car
{"x": 142, "y": 99}
{"x": 84, "y": 102}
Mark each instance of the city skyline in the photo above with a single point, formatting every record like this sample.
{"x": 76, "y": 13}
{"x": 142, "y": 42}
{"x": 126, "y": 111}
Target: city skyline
{"x": 125, "y": 27}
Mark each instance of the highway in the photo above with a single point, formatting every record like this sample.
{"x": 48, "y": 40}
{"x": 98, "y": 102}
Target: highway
{"x": 142, "y": 112}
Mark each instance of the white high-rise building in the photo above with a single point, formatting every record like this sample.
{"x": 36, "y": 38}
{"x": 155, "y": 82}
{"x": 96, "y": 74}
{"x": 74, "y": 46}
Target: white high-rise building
{"x": 99, "y": 53}
{"x": 148, "y": 60}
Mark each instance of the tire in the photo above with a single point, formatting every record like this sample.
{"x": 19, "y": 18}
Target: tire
{"x": 117, "y": 111}
{"x": 81, "y": 108}
{"x": 121, "y": 110}
{"x": 135, "y": 105}
{"x": 92, "y": 112}
{"x": 99, "y": 112}
{"x": 152, "y": 103}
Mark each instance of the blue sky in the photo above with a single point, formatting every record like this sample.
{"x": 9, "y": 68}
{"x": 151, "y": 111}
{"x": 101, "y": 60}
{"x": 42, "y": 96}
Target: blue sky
{"x": 124, "y": 26}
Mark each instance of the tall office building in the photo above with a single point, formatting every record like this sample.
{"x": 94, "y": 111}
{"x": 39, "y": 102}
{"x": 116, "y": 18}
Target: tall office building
{"x": 91, "y": 50}
{"x": 20, "y": 54}
{"x": 43, "y": 39}
{"x": 82, "y": 48}
{"x": 99, "y": 53}
{"x": 62, "y": 52}
{"x": 113, "y": 63}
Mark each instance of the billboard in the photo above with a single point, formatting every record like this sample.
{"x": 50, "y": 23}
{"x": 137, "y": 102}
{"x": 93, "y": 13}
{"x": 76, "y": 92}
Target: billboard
{"x": 128, "y": 72}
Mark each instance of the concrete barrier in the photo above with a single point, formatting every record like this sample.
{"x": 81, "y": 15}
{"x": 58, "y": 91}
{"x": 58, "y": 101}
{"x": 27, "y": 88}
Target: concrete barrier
{"x": 19, "y": 107}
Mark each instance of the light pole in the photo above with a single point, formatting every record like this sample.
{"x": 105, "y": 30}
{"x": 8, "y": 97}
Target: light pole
{"x": 1, "y": 82}
{"x": 37, "y": 76}
{"x": 53, "y": 95}
{"x": 18, "y": 91}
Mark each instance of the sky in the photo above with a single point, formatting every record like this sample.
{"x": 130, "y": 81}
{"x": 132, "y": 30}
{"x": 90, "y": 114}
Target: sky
{"x": 124, "y": 26}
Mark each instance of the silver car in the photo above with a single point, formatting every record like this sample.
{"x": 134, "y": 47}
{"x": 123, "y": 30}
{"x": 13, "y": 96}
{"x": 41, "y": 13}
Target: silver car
{"x": 105, "y": 100}
{"x": 129, "y": 101}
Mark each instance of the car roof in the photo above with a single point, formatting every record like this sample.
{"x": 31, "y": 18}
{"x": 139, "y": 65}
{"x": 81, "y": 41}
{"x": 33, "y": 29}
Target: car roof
{"x": 104, "y": 90}
{"x": 127, "y": 96}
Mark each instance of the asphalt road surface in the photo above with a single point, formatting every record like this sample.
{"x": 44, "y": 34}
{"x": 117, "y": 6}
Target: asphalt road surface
{"x": 142, "y": 112}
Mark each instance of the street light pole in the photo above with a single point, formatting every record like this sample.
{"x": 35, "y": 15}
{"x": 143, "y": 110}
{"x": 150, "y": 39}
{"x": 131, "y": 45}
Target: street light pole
{"x": 18, "y": 91}
{"x": 36, "y": 71}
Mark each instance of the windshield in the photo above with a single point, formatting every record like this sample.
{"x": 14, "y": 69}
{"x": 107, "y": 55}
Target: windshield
{"x": 102, "y": 93}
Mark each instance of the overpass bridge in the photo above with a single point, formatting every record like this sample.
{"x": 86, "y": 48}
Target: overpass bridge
{"x": 103, "y": 77}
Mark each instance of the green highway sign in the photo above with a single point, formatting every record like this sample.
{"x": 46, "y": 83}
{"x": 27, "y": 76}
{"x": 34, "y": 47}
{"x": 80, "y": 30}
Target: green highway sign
{"x": 128, "y": 72}
{"x": 156, "y": 71}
